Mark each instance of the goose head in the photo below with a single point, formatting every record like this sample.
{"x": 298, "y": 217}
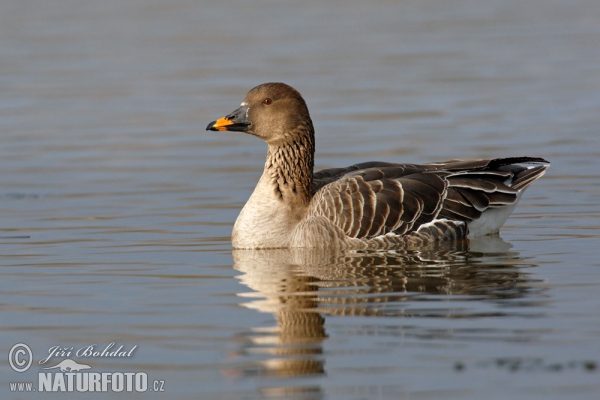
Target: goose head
{"x": 274, "y": 112}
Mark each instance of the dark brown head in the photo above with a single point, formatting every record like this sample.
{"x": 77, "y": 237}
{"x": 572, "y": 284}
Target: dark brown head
{"x": 275, "y": 112}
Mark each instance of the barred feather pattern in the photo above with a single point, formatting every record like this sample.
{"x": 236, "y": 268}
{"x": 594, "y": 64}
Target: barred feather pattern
{"x": 384, "y": 204}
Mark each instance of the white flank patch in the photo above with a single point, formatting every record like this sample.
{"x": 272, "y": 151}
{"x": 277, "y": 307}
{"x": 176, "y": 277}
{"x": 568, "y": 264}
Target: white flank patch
{"x": 492, "y": 220}
{"x": 432, "y": 223}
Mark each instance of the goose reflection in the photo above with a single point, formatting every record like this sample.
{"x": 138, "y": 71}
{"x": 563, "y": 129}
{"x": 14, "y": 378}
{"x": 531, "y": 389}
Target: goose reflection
{"x": 301, "y": 287}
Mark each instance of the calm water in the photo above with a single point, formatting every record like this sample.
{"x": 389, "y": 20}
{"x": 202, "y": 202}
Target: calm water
{"x": 116, "y": 206}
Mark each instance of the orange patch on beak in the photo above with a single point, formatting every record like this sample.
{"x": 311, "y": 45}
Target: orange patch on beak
{"x": 221, "y": 124}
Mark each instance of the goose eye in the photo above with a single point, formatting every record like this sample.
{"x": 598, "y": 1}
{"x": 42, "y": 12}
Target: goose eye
{"x": 267, "y": 101}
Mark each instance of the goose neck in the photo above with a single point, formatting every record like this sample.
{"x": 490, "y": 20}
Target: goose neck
{"x": 289, "y": 167}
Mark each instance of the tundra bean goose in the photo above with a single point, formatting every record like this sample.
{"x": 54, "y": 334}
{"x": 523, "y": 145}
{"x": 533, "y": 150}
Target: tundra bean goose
{"x": 367, "y": 205}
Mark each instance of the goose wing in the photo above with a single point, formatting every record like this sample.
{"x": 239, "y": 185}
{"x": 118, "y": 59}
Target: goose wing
{"x": 375, "y": 198}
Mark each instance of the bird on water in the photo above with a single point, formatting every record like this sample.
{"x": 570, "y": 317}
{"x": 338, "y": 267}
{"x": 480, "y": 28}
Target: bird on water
{"x": 370, "y": 205}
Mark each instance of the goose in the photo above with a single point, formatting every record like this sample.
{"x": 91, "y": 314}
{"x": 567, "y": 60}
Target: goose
{"x": 370, "y": 205}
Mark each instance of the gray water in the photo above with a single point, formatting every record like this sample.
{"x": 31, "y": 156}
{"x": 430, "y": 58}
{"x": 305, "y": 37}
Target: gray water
{"x": 116, "y": 205}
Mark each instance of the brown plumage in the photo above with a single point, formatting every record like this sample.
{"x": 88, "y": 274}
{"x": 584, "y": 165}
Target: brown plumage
{"x": 367, "y": 205}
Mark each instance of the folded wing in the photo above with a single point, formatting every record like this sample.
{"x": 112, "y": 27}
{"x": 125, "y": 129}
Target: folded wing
{"x": 374, "y": 198}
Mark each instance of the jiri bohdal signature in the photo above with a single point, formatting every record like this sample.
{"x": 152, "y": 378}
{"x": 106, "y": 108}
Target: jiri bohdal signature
{"x": 92, "y": 350}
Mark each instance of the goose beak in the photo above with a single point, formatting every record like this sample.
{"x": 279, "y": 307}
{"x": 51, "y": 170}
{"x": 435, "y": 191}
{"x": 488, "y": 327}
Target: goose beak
{"x": 236, "y": 121}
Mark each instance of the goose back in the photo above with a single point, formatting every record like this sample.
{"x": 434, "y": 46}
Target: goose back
{"x": 376, "y": 198}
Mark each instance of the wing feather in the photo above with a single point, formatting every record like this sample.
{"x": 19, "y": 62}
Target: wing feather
{"x": 368, "y": 210}
{"x": 374, "y": 198}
